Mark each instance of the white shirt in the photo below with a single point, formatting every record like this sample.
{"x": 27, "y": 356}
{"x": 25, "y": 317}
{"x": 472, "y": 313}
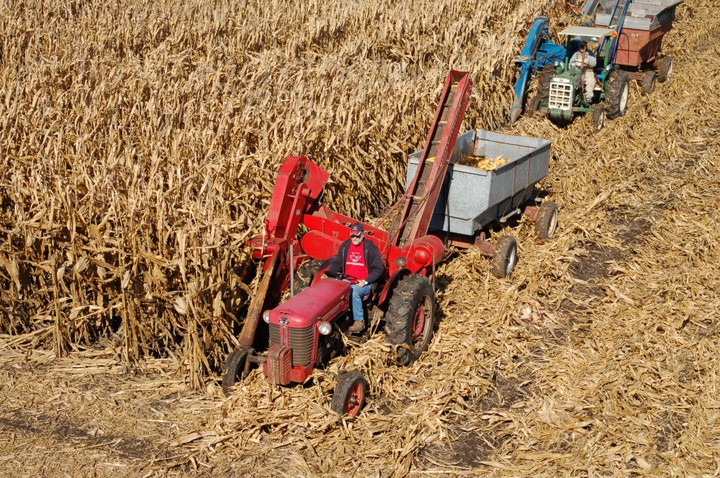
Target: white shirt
{"x": 580, "y": 60}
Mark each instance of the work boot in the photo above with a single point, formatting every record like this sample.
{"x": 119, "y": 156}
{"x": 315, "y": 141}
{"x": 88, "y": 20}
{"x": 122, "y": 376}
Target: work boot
{"x": 357, "y": 327}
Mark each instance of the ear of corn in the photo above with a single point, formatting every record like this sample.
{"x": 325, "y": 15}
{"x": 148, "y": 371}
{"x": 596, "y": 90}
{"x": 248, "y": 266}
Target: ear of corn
{"x": 483, "y": 163}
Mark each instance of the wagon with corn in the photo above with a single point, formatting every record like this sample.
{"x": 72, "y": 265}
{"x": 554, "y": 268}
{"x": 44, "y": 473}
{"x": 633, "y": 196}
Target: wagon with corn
{"x": 491, "y": 178}
{"x": 639, "y": 44}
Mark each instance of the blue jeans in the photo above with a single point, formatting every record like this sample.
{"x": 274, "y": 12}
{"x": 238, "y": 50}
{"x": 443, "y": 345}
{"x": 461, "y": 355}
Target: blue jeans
{"x": 358, "y": 294}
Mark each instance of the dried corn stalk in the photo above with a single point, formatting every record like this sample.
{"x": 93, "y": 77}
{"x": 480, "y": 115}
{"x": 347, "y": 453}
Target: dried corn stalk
{"x": 142, "y": 141}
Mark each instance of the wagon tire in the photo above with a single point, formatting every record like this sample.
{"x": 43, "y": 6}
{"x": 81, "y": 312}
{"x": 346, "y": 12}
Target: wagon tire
{"x": 305, "y": 274}
{"x": 505, "y": 258}
{"x": 350, "y": 393}
{"x": 410, "y": 318}
{"x": 235, "y": 368}
{"x": 665, "y": 67}
{"x": 547, "y": 220}
{"x": 647, "y": 83}
{"x": 598, "y": 117}
{"x": 617, "y": 94}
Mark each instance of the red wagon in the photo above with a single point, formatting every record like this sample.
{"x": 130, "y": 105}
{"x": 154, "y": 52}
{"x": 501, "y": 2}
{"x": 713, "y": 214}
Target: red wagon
{"x": 639, "y": 47}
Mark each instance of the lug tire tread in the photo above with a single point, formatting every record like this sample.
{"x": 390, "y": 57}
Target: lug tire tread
{"x": 408, "y": 294}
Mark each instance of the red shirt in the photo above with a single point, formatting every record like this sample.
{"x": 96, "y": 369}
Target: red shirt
{"x": 355, "y": 262}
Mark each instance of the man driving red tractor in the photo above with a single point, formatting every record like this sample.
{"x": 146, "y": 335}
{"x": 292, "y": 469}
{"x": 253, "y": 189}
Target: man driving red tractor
{"x": 358, "y": 261}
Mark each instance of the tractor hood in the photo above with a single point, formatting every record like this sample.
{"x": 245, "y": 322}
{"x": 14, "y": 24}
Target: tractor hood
{"x": 323, "y": 300}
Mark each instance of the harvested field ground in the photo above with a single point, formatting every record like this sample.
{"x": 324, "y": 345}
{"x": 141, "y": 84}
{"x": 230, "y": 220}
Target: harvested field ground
{"x": 597, "y": 358}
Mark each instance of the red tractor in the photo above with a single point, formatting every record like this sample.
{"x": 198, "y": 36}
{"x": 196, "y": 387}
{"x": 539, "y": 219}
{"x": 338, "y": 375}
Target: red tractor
{"x": 305, "y": 331}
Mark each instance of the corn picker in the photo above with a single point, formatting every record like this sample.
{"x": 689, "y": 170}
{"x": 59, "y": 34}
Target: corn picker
{"x": 305, "y": 331}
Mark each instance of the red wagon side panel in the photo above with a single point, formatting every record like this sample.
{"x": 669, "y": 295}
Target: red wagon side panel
{"x": 638, "y": 47}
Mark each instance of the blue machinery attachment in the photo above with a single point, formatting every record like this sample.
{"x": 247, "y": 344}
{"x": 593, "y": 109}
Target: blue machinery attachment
{"x": 538, "y": 51}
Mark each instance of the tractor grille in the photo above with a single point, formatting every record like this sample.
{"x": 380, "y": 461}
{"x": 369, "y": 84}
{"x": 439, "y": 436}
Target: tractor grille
{"x": 301, "y": 343}
{"x": 561, "y": 96}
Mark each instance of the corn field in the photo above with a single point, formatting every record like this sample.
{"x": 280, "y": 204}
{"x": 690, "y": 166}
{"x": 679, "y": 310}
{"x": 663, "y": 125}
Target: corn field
{"x": 140, "y": 143}
{"x": 142, "y": 140}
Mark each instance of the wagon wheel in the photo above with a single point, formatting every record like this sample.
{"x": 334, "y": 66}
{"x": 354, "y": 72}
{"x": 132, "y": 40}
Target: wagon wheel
{"x": 598, "y": 117}
{"x": 236, "y": 368}
{"x": 410, "y": 317}
{"x": 305, "y": 274}
{"x": 505, "y": 258}
{"x": 547, "y": 220}
{"x": 664, "y": 71}
{"x": 617, "y": 93}
{"x": 349, "y": 395}
{"x": 647, "y": 83}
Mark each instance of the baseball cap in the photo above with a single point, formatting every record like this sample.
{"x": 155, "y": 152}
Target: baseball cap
{"x": 357, "y": 228}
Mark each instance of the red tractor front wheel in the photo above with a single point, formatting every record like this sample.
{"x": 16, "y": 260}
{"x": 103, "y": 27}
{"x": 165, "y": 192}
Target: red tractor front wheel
{"x": 350, "y": 393}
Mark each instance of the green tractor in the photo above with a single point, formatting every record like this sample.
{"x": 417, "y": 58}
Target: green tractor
{"x": 596, "y": 86}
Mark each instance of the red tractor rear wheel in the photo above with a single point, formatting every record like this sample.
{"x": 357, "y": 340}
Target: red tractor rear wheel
{"x": 350, "y": 393}
{"x": 410, "y": 318}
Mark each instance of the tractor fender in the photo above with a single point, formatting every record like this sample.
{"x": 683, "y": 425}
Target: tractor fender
{"x": 389, "y": 287}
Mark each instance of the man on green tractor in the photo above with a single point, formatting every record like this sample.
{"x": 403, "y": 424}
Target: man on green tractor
{"x": 585, "y": 62}
{"x": 584, "y": 83}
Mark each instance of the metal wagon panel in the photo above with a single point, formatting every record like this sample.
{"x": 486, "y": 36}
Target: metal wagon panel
{"x": 474, "y": 197}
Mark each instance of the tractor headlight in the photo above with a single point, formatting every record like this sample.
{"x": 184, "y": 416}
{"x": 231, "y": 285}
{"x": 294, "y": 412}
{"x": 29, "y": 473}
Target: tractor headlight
{"x": 324, "y": 328}
{"x": 266, "y": 316}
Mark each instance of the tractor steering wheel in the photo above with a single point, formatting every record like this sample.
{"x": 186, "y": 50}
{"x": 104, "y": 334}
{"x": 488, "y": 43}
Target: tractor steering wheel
{"x": 340, "y": 276}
